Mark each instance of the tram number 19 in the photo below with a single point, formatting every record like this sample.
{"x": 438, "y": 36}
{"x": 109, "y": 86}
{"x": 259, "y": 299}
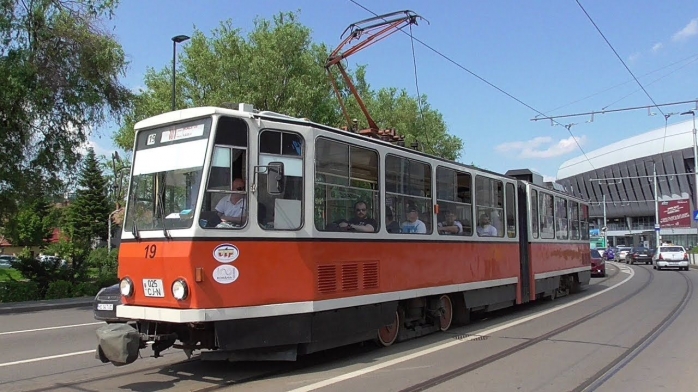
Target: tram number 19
{"x": 150, "y": 251}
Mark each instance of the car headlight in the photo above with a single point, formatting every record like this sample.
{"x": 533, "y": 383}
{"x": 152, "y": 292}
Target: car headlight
{"x": 126, "y": 287}
{"x": 180, "y": 290}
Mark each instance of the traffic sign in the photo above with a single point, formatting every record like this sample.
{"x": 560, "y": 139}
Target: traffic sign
{"x": 695, "y": 215}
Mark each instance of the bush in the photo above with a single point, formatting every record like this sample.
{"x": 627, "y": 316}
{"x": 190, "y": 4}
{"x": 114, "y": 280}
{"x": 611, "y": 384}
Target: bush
{"x": 106, "y": 263}
{"x": 14, "y": 291}
{"x": 85, "y": 289}
{"x": 59, "y": 289}
{"x": 106, "y": 280}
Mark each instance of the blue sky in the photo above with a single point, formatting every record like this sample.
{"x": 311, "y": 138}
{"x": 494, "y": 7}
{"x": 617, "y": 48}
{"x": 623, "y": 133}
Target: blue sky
{"x": 547, "y": 54}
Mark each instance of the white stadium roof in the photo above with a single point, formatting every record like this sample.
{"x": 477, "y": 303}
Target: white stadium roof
{"x": 678, "y": 137}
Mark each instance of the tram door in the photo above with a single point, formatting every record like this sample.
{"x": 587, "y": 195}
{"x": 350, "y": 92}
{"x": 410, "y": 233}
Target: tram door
{"x": 523, "y": 243}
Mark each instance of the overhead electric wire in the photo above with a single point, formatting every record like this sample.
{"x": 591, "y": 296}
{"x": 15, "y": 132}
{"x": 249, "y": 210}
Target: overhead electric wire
{"x": 568, "y": 126}
{"x": 419, "y": 96}
{"x": 617, "y": 55}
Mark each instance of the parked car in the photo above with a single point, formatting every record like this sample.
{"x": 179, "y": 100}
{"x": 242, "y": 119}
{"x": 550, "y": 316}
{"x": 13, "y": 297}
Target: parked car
{"x": 106, "y": 301}
{"x": 639, "y": 255}
{"x": 6, "y": 261}
{"x": 670, "y": 256}
{"x": 598, "y": 265}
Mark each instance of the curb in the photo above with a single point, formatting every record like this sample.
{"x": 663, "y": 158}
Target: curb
{"x": 35, "y": 306}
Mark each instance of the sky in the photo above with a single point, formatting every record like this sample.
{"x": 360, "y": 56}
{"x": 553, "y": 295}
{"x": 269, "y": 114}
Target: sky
{"x": 490, "y": 68}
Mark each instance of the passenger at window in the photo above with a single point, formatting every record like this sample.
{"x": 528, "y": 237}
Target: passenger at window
{"x": 484, "y": 228}
{"x": 450, "y": 225}
{"x": 360, "y": 222}
{"x": 233, "y": 209}
{"x": 413, "y": 225}
{"x": 390, "y": 223}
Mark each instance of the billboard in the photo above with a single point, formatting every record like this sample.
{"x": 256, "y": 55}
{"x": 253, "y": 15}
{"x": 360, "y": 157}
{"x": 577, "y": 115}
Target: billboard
{"x": 675, "y": 213}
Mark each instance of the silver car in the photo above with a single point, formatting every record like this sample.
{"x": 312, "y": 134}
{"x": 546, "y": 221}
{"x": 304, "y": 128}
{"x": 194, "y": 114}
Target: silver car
{"x": 670, "y": 256}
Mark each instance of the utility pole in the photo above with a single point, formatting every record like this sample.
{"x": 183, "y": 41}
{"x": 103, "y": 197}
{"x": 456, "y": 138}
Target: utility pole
{"x": 605, "y": 228}
{"x": 657, "y": 227}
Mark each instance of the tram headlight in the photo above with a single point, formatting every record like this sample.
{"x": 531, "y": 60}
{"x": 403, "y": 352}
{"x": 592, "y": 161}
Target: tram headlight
{"x": 180, "y": 290}
{"x": 126, "y": 287}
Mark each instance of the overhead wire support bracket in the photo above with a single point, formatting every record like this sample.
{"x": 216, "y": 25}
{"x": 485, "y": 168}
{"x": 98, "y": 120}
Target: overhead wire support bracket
{"x": 385, "y": 25}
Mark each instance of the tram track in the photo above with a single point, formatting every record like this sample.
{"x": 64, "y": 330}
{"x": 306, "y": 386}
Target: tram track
{"x": 434, "y": 381}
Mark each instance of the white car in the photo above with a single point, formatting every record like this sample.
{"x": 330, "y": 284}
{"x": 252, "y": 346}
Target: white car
{"x": 670, "y": 256}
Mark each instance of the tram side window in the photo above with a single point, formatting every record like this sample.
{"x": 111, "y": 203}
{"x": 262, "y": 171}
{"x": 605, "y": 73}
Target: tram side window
{"x": 547, "y": 217}
{"x": 584, "y": 221}
{"x": 225, "y": 200}
{"x": 284, "y": 211}
{"x": 534, "y": 213}
{"x": 408, "y": 195}
{"x": 489, "y": 200}
{"x": 574, "y": 220}
{"x": 453, "y": 196}
{"x": 561, "y": 218}
{"x": 511, "y": 211}
{"x": 346, "y": 187}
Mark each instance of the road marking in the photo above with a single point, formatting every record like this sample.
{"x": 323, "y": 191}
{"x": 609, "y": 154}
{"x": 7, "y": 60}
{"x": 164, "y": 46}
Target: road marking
{"x": 45, "y": 358}
{"x": 370, "y": 369}
{"x": 49, "y": 328}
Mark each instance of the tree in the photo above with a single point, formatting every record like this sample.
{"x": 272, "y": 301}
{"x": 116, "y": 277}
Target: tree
{"x": 33, "y": 224}
{"x": 277, "y": 67}
{"x": 86, "y": 218}
{"x": 59, "y": 74}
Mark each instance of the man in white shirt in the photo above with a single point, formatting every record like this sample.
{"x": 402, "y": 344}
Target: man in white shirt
{"x": 233, "y": 209}
{"x": 450, "y": 225}
{"x": 484, "y": 228}
{"x": 413, "y": 225}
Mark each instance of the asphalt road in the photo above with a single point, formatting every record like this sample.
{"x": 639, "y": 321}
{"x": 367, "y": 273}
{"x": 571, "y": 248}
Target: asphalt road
{"x": 556, "y": 346}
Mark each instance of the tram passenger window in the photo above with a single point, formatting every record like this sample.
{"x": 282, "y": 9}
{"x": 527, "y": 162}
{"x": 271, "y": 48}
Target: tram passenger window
{"x": 584, "y": 221}
{"x": 489, "y": 201}
{"x": 574, "y": 220}
{"x": 511, "y": 211}
{"x": 225, "y": 204}
{"x": 408, "y": 193}
{"x": 284, "y": 211}
{"x": 346, "y": 187}
{"x": 547, "y": 217}
{"x": 455, "y": 215}
{"x": 560, "y": 218}
{"x": 534, "y": 213}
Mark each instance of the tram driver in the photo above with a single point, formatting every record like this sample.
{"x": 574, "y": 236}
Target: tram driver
{"x": 233, "y": 209}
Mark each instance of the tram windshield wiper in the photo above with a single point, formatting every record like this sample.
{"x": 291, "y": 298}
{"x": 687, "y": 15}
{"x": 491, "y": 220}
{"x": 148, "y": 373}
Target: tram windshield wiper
{"x": 162, "y": 216}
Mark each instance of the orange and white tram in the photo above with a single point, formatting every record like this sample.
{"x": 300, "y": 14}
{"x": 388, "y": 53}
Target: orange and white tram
{"x": 255, "y": 235}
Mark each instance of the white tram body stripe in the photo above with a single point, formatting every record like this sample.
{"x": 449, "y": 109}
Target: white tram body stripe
{"x": 201, "y": 315}
{"x": 543, "y": 275}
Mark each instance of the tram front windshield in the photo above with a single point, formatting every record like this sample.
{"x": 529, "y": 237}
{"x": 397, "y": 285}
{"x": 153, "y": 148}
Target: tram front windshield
{"x": 167, "y": 171}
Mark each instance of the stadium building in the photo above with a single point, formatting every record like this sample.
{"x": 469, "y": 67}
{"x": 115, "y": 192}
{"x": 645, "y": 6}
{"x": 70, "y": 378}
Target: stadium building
{"x": 621, "y": 177}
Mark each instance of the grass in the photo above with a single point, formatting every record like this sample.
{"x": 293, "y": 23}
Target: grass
{"x": 9, "y": 274}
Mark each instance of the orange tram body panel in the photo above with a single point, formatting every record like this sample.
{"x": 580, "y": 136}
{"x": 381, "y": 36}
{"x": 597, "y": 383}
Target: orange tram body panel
{"x": 319, "y": 258}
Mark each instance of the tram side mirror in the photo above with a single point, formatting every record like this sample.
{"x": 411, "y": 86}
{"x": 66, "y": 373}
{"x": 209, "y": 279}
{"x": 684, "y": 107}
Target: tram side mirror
{"x": 275, "y": 178}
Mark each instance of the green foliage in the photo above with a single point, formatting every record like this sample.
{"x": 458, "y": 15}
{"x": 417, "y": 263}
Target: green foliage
{"x": 33, "y": 224}
{"x": 106, "y": 281}
{"x": 277, "y": 67}
{"x": 84, "y": 289}
{"x": 59, "y": 289}
{"x": 41, "y": 273}
{"x": 60, "y": 76}
{"x": 13, "y": 291}
{"x": 105, "y": 263}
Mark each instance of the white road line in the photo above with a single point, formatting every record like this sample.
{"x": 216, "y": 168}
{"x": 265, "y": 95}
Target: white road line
{"x": 45, "y": 358}
{"x": 370, "y": 369}
{"x": 49, "y": 328}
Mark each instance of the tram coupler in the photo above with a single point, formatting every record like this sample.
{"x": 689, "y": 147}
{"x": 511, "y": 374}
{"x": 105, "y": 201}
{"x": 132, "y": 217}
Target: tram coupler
{"x": 118, "y": 344}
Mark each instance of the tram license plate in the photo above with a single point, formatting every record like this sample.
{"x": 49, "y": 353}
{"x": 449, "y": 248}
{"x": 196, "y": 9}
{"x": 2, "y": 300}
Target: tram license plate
{"x": 153, "y": 288}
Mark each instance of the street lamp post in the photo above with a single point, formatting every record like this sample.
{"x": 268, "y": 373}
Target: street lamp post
{"x": 175, "y": 40}
{"x": 695, "y": 158}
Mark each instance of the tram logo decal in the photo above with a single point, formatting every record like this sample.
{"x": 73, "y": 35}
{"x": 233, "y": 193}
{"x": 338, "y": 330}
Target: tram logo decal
{"x": 225, "y": 274}
{"x": 226, "y": 253}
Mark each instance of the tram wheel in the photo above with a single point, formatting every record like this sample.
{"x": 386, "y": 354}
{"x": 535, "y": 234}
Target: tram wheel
{"x": 446, "y": 312}
{"x": 387, "y": 335}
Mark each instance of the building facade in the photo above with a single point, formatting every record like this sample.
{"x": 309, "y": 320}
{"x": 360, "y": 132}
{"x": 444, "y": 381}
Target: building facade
{"x": 621, "y": 177}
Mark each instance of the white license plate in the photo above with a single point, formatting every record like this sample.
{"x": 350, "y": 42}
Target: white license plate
{"x": 153, "y": 288}
{"x": 673, "y": 263}
{"x": 105, "y": 306}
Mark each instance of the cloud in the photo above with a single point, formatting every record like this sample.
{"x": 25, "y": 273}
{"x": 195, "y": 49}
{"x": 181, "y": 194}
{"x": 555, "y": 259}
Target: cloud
{"x": 688, "y": 31}
{"x": 633, "y": 57}
{"x": 536, "y": 147}
{"x": 657, "y": 47}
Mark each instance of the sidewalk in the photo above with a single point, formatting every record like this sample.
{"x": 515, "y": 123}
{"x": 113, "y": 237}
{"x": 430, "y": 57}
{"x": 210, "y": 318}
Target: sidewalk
{"x": 34, "y": 306}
